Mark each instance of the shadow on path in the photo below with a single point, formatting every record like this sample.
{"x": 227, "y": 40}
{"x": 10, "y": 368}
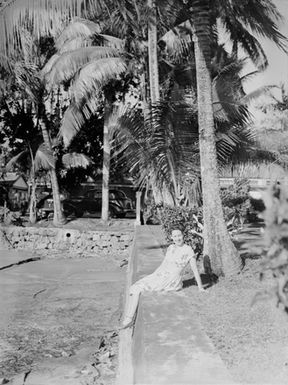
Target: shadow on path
{"x": 206, "y": 279}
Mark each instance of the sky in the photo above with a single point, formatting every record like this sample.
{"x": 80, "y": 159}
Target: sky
{"x": 277, "y": 70}
{"x": 278, "y": 60}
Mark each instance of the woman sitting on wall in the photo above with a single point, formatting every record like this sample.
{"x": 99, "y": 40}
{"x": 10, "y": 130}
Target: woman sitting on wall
{"x": 167, "y": 277}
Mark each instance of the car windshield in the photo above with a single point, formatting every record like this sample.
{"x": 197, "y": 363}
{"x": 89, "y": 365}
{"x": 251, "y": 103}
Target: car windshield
{"x": 117, "y": 194}
{"x": 113, "y": 194}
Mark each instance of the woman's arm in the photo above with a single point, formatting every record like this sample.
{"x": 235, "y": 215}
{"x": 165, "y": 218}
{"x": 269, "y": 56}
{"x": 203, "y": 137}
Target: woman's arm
{"x": 196, "y": 273}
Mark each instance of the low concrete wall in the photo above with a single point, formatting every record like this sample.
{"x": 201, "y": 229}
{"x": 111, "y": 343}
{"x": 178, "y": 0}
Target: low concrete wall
{"x": 31, "y": 238}
{"x": 168, "y": 344}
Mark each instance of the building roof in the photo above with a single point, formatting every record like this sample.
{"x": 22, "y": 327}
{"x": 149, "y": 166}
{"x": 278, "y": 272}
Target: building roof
{"x": 12, "y": 179}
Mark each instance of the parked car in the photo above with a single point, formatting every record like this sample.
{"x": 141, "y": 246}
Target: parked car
{"x": 45, "y": 205}
{"x": 119, "y": 204}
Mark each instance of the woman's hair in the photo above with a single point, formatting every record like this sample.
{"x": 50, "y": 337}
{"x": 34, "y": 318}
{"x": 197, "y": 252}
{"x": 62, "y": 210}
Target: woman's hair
{"x": 177, "y": 227}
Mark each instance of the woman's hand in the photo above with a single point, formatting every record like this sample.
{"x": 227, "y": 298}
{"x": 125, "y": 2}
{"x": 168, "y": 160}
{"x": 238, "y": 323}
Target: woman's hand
{"x": 201, "y": 289}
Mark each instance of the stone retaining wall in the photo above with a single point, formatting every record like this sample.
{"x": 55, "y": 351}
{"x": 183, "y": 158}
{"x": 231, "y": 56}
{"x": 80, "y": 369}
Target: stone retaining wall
{"x": 32, "y": 238}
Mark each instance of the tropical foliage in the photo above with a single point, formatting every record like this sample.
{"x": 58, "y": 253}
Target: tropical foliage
{"x": 90, "y": 56}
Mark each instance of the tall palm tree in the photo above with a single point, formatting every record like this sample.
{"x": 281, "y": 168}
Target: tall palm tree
{"x": 164, "y": 152}
{"x": 23, "y": 74}
{"x": 91, "y": 67}
{"x": 152, "y": 53}
{"x": 260, "y": 17}
{"x": 218, "y": 246}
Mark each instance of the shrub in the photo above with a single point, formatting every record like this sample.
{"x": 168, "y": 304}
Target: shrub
{"x": 8, "y": 217}
{"x": 188, "y": 219}
{"x": 236, "y": 203}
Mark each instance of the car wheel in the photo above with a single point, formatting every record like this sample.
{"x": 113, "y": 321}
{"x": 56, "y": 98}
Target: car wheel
{"x": 78, "y": 213}
{"x": 112, "y": 213}
{"x": 122, "y": 215}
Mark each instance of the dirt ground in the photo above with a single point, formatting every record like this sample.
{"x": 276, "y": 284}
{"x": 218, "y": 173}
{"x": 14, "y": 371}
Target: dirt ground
{"x": 252, "y": 339}
{"x": 59, "y": 316}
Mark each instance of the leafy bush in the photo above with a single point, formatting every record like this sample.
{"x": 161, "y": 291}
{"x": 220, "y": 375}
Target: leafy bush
{"x": 9, "y": 217}
{"x": 236, "y": 203}
{"x": 189, "y": 219}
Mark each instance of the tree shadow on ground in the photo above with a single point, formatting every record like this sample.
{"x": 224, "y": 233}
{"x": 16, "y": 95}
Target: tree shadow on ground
{"x": 207, "y": 280}
{"x": 162, "y": 246}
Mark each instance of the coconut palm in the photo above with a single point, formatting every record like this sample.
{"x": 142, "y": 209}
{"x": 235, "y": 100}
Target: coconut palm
{"x": 260, "y": 17}
{"x": 91, "y": 67}
{"x": 199, "y": 18}
{"x": 39, "y": 160}
{"x": 163, "y": 153}
{"x": 218, "y": 246}
{"x": 30, "y": 97}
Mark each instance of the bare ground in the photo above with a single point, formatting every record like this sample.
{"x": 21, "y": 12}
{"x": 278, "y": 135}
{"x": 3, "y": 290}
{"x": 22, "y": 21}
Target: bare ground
{"x": 251, "y": 338}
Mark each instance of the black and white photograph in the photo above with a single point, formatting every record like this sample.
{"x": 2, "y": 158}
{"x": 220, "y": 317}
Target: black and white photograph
{"x": 143, "y": 192}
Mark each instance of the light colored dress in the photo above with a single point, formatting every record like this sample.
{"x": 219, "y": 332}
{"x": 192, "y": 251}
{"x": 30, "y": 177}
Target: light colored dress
{"x": 168, "y": 276}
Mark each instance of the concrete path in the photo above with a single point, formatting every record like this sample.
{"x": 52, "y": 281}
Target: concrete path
{"x": 53, "y": 313}
{"x": 169, "y": 346}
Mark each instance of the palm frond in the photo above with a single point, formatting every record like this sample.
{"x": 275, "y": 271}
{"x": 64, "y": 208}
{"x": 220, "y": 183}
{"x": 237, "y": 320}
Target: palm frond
{"x": 93, "y": 40}
{"x": 49, "y": 65}
{"x": 15, "y": 160}
{"x": 75, "y": 43}
{"x": 64, "y": 67}
{"x": 5, "y": 62}
{"x": 228, "y": 94}
{"x": 247, "y": 99}
{"x": 263, "y": 18}
{"x": 44, "y": 17}
{"x": 75, "y": 117}
{"x": 78, "y": 28}
{"x": 94, "y": 75}
{"x": 232, "y": 142}
{"x": 178, "y": 41}
{"x": 75, "y": 160}
{"x": 72, "y": 122}
{"x": 249, "y": 76}
{"x": 108, "y": 41}
{"x": 44, "y": 159}
{"x": 158, "y": 149}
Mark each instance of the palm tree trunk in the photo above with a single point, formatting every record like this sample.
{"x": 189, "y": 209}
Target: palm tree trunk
{"x": 153, "y": 74}
{"x": 58, "y": 218}
{"x": 32, "y": 206}
{"x": 32, "y": 193}
{"x": 152, "y": 54}
{"x": 222, "y": 254}
{"x": 106, "y": 164}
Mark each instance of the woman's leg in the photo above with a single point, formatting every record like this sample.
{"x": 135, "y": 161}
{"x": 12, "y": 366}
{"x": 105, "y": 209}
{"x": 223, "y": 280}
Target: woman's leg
{"x": 133, "y": 299}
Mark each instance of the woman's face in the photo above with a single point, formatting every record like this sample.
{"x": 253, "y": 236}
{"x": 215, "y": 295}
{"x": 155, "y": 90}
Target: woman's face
{"x": 177, "y": 237}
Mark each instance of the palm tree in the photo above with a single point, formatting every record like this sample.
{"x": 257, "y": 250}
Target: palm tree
{"x": 259, "y": 16}
{"x": 163, "y": 153}
{"x": 152, "y": 53}
{"x": 23, "y": 74}
{"x": 39, "y": 160}
{"x": 91, "y": 67}
{"x": 218, "y": 246}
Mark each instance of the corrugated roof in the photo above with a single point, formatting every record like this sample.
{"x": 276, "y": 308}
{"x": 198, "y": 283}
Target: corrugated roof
{"x": 10, "y": 177}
